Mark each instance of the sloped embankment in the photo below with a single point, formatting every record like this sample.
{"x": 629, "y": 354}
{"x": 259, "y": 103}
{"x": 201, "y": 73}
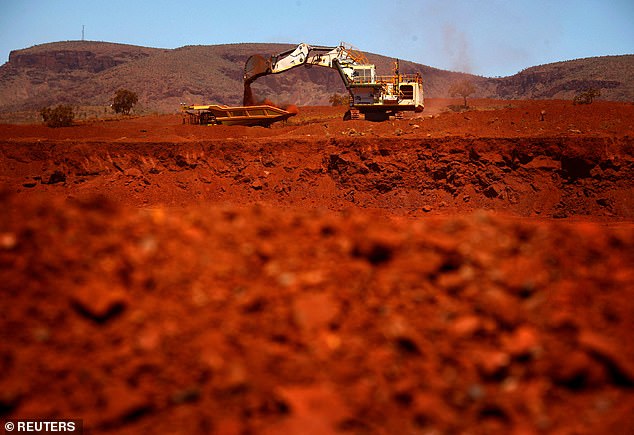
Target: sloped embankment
{"x": 554, "y": 177}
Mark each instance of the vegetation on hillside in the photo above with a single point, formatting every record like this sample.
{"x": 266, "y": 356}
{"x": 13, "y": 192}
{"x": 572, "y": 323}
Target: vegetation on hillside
{"x": 123, "y": 101}
{"x": 338, "y": 99}
{"x": 88, "y": 73}
{"x": 586, "y": 97}
{"x": 60, "y": 116}
{"x": 464, "y": 89}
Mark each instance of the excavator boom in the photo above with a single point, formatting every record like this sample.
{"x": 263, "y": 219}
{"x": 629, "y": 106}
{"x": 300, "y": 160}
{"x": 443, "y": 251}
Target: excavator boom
{"x": 304, "y": 54}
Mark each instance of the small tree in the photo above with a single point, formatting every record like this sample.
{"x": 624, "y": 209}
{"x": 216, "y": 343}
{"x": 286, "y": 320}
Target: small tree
{"x": 586, "y": 97}
{"x": 463, "y": 88}
{"x": 124, "y": 101}
{"x": 60, "y": 116}
{"x": 338, "y": 99}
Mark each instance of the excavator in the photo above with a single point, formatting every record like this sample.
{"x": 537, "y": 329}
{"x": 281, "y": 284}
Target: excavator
{"x": 376, "y": 97}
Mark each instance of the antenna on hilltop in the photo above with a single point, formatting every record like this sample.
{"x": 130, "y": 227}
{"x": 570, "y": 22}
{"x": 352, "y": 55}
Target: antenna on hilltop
{"x": 83, "y": 27}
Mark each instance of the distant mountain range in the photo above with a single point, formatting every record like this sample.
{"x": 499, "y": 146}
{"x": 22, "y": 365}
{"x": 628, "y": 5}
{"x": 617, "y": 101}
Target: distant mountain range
{"x": 88, "y": 73}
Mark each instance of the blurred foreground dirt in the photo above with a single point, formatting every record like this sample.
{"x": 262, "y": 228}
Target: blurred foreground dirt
{"x": 446, "y": 273}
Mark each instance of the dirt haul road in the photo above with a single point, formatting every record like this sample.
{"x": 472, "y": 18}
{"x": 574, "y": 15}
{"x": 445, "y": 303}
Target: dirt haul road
{"x": 446, "y": 273}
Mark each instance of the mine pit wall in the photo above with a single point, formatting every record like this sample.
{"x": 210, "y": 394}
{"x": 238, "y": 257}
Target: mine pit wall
{"x": 548, "y": 177}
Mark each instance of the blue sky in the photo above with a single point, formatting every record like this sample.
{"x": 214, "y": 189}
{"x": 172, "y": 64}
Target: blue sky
{"x": 485, "y": 37}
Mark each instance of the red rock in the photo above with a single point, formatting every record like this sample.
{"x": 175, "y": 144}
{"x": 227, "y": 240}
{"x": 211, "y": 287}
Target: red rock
{"x": 99, "y": 301}
{"x": 465, "y": 326}
{"x": 122, "y": 403}
{"x": 492, "y": 362}
{"x": 313, "y": 311}
{"x": 523, "y": 342}
{"x": 612, "y": 355}
{"x": 313, "y": 410}
{"x": 578, "y": 370}
{"x": 506, "y": 309}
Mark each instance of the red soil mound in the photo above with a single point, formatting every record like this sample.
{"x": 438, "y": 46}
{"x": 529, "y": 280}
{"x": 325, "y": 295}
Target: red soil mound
{"x": 323, "y": 276}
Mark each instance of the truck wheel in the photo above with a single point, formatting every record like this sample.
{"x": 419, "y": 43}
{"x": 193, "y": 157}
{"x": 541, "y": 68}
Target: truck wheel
{"x": 347, "y": 116}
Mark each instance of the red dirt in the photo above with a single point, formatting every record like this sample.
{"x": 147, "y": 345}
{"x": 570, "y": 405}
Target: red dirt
{"x": 461, "y": 273}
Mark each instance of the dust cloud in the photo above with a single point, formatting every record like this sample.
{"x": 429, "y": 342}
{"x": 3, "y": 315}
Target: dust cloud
{"x": 457, "y": 47}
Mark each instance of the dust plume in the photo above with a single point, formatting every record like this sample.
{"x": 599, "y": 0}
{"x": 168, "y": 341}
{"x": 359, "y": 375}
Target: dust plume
{"x": 457, "y": 46}
{"x": 250, "y": 100}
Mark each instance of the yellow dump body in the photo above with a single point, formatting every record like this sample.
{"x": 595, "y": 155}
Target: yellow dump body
{"x": 264, "y": 115}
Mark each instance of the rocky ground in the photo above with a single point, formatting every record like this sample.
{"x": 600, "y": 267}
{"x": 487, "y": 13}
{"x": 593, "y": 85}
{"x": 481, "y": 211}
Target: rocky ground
{"x": 446, "y": 273}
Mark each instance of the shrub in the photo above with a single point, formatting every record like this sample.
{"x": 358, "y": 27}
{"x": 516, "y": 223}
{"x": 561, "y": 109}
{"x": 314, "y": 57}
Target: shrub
{"x": 338, "y": 99}
{"x": 60, "y": 116}
{"x": 586, "y": 97}
{"x": 463, "y": 88}
{"x": 124, "y": 101}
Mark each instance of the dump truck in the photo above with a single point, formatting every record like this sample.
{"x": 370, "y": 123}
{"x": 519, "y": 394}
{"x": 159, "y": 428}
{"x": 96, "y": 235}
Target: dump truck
{"x": 376, "y": 97}
{"x": 216, "y": 114}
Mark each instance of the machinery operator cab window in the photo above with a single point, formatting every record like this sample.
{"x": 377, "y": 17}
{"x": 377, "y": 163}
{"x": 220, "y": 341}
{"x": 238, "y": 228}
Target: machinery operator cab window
{"x": 362, "y": 75}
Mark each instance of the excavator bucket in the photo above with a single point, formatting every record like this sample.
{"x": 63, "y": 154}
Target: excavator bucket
{"x": 255, "y": 67}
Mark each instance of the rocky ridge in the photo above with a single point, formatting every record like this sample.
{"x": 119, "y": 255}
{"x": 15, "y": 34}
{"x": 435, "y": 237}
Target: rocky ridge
{"x": 85, "y": 73}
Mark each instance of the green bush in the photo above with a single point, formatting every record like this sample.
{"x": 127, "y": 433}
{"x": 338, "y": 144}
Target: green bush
{"x": 60, "y": 116}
